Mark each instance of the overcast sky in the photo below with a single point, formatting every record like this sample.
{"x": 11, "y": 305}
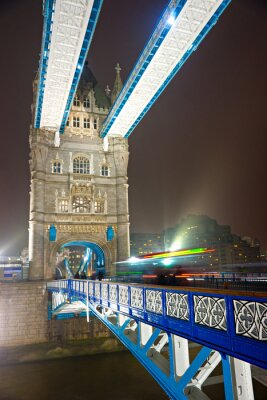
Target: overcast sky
{"x": 200, "y": 149}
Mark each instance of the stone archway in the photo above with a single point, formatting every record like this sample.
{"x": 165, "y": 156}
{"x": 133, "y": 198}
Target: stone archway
{"x": 104, "y": 254}
{"x": 83, "y": 259}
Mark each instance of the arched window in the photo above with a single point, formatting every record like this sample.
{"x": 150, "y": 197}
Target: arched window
{"x": 76, "y": 101}
{"x": 81, "y": 204}
{"x": 95, "y": 123}
{"x": 104, "y": 170}
{"x": 86, "y": 102}
{"x": 68, "y": 122}
{"x": 81, "y": 165}
{"x": 86, "y": 123}
{"x": 99, "y": 207}
{"x": 56, "y": 167}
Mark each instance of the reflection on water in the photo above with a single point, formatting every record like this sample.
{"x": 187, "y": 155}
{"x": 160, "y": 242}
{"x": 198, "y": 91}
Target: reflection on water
{"x": 113, "y": 376}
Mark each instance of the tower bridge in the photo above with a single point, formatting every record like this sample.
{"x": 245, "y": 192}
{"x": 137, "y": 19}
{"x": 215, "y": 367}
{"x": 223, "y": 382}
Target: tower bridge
{"x": 79, "y": 151}
{"x": 79, "y": 196}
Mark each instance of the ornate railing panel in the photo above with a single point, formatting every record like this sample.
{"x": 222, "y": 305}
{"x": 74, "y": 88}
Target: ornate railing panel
{"x": 251, "y": 319}
{"x": 210, "y": 311}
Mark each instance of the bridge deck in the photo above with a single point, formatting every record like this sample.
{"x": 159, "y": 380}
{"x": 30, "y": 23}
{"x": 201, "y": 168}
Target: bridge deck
{"x": 231, "y": 322}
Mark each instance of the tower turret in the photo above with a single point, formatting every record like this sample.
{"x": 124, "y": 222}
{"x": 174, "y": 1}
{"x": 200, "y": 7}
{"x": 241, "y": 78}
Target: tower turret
{"x": 117, "y": 84}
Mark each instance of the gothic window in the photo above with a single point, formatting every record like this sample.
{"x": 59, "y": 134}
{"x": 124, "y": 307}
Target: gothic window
{"x": 81, "y": 204}
{"x": 81, "y": 165}
{"x": 86, "y": 123}
{"x": 63, "y": 205}
{"x": 86, "y": 102}
{"x": 95, "y": 123}
{"x": 76, "y": 122}
{"x": 76, "y": 101}
{"x": 104, "y": 170}
{"x": 99, "y": 206}
{"x": 56, "y": 167}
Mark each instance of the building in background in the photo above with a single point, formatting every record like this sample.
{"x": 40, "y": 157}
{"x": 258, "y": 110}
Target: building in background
{"x": 145, "y": 243}
{"x": 15, "y": 268}
{"x": 203, "y": 231}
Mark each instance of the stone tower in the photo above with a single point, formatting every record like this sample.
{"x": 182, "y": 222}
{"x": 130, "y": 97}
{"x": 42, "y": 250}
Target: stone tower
{"x": 78, "y": 184}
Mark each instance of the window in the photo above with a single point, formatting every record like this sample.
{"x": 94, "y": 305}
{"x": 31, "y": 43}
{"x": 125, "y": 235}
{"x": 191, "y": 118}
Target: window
{"x": 81, "y": 204}
{"x": 95, "y": 123}
{"x": 76, "y": 122}
{"x": 76, "y": 101}
{"x": 56, "y": 168}
{"x": 63, "y": 206}
{"x": 86, "y": 123}
{"x": 68, "y": 122}
{"x": 86, "y": 102}
{"x": 104, "y": 170}
{"x": 99, "y": 206}
{"x": 81, "y": 165}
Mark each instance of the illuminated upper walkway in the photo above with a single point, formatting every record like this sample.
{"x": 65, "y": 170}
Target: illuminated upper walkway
{"x": 68, "y": 29}
{"x": 67, "y": 33}
{"x": 182, "y": 27}
{"x": 155, "y": 324}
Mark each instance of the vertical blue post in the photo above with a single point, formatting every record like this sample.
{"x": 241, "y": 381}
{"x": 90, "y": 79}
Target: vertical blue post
{"x": 227, "y": 377}
{"x": 171, "y": 356}
{"x": 49, "y": 306}
{"x": 69, "y": 288}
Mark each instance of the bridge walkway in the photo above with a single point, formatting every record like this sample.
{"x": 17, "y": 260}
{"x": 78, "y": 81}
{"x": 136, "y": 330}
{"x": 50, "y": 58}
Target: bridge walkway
{"x": 155, "y": 323}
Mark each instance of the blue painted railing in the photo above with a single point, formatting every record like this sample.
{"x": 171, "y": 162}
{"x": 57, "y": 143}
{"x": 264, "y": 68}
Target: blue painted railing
{"x": 233, "y": 323}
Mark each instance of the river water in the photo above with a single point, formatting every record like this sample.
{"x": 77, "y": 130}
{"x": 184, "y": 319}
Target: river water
{"x": 97, "y": 377}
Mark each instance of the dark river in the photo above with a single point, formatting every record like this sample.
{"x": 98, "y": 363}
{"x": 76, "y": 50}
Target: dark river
{"x": 107, "y": 376}
{"x": 96, "y": 377}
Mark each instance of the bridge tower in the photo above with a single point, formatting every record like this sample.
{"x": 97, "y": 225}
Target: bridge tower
{"x": 79, "y": 187}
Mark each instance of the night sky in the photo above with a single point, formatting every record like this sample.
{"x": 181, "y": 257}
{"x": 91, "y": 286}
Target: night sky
{"x": 200, "y": 149}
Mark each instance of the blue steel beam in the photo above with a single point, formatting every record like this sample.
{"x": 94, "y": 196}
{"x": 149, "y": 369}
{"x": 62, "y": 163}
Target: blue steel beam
{"x": 129, "y": 331}
{"x": 231, "y": 324}
{"x": 183, "y": 26}
{"x": 64, "y": 22}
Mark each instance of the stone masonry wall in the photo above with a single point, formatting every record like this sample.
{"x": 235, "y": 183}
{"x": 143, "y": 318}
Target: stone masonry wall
{"x": 23, "y": 313}
{"x": 23, "y": 318}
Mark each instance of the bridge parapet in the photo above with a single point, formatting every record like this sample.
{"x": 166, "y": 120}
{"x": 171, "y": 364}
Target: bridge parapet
{"x": 234, "y": 323}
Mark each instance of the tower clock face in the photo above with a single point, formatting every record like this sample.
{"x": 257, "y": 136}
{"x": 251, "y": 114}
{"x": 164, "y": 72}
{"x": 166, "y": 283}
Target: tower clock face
{"x": 81, "y": 204}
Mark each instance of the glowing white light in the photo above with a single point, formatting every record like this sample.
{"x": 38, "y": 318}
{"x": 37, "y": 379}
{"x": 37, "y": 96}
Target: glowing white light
{"x": 133, "y": 259}
{"x": 171, "y": 20}
{"x": 167, "y": 262}
{"x": 176, "y": 245}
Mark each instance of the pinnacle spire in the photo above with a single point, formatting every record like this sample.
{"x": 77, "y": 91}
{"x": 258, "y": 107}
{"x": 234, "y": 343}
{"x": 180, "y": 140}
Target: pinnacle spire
{"x": 117, "y": 84}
